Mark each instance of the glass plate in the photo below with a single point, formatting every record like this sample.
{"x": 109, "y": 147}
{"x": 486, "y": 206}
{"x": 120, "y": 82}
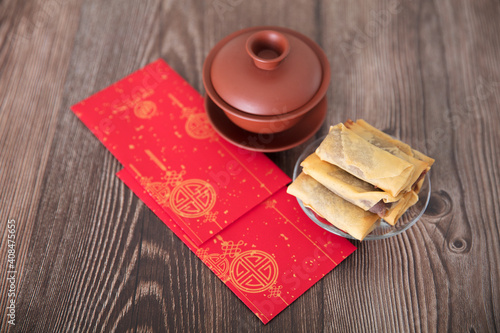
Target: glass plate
{"x": 384, "y": 229}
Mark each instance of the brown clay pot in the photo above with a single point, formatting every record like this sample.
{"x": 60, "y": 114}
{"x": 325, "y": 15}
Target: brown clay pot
{"x": 265, "y": 79}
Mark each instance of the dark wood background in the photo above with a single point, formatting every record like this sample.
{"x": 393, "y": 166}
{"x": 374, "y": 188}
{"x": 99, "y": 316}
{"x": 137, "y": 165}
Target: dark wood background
{"x": 92, "y": 257}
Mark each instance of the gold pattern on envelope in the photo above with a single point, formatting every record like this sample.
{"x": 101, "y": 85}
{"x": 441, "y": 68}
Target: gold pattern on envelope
{"x": 211, "y": 217}
{"x": 155, "y": 159}
{"x": 253, "y": 271}
{"x": 174, "y": 178}
{"x": 275, "y": 291}
{"x": 218, "y": 264}
{"x": 198, "y": 127}
{"x": 132, "y": 101}
{"x": 145, "y": 109}
{"x": 270, "y": 203}
{"x": 230, "y": 249}
{"x": 202, "y": 253}
{"x": 197, "y": 124}
{"x": 192, "y": 198}
{"x": 159, "y": 191}
{"x": 186, "y": 111}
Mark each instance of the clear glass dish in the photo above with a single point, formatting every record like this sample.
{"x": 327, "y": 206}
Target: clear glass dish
{"x": 384, "y": 229}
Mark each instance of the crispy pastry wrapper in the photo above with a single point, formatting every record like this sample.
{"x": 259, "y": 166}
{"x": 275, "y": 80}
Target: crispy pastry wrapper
{"x": 345, "y": 185}
{"x": 349, "y": 151}
{"x": 339, "y": 212}
{"x": 408, "y": 200}
{"x": 390, "y": 140}
{"x": 386, "y": 140}
{"x": 421, "y": 162}
{"x": 400, "y": 207}
{"x": 377, "y": 137}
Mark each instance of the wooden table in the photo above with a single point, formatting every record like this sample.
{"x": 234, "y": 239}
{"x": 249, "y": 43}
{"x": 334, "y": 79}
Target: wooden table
{"x": 90, "y": 256}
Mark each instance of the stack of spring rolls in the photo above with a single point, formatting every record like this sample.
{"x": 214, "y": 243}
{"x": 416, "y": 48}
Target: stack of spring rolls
{"x": 358, "y": 175}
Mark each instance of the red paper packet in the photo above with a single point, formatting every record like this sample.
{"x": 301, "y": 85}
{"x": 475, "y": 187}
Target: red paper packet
{"x": 269, "y": 257}
{"x": 154, "y": 123}
{"x": 209, "y": 192}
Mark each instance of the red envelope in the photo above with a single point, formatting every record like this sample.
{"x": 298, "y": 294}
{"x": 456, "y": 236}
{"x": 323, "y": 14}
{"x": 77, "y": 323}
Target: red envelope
{"x": 269, "y": 257}
{"x": 209, "y": 192}
{"x": 154, "y": 123}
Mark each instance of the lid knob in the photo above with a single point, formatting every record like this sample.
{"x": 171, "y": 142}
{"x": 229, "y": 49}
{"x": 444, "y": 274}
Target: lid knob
{"x": 267, "y": 48}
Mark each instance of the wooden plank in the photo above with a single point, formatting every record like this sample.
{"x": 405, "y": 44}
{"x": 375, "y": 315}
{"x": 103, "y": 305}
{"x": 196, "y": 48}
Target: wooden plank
{"x": 32, "y": 78}
{"x": 91, "y": 256}
{"x": 105, "y": 290}
{"x": 83, "y": 250}
{"x": 471, "y": 241}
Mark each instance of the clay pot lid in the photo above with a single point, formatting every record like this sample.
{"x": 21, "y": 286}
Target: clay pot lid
{"x": 266, "y": 72}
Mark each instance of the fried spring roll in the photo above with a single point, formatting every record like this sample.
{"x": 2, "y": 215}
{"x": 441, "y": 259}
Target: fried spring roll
{"x": 347, "y": 186}
{"x": 400, "y": 207}
{"x": 339, "y": 212}
{"x": 401, "y": 145}
{"x": 383, "y": 138}
{"x": 349, "y": 151}
{"x": 393, "y": 146}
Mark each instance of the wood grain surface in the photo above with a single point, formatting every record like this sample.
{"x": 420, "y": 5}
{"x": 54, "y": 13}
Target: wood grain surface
{"x": 90, "y": 256}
